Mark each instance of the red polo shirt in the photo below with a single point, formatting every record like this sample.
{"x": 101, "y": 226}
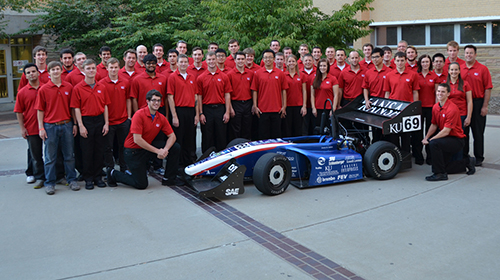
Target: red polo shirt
{"x": 366, "y": 65}
{"x": 448, "y": 116}
{"x": 230, "y": 62}
{"x": 479, "y": 78}
{"x": 447, "y": 62}
{"x": 183, "y": 90}
{"x": 167, "y": 72}
{"x": 65, "y": 73}
{"x": 269, "y": 87}
{"x": 308, "y": 78}
{"x": 255, "y": 67}
{"x": 163, "y": 67}
{"x": 413, "y": 67}
{"x": 427, "y": 91}
{"x": 91, "y": 101}
{"x": 401, "y": 86}
{"x": 374, "y": 81}
{"x": 193, "y": 71}
{"x": 300, "y": 64}
{"x": 25, "y": 104}
{"x": 118, "y": 94}
{"x": 123, "y": 74}
{"x": 241, "y": 82}
{"x": 144, "y": 124}
{"x": 54, "y": 101}
{"x": 143, "y": 83}
{"x": 76, "y": 76}
{"x": 101, "y": 69}
{"x": 139, "y": 69}
{"x": 43, "y": 77}
{"x": 324, "y": 92}
{"x": 440, "y": 79}
{"x": 294, "y": 92}
{"x": 213, "y": 87}
{"x": 335, "y": 70}
{"x": 352, "y": 82}
{"x": 458, "y": 96}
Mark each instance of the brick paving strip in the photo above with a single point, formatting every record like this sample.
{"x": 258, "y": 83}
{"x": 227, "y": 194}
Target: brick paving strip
{"x": 294, "y": 253}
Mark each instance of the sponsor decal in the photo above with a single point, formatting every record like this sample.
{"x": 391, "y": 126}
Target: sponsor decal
{"x": 382, "y": 107}
{"x": 321, "y": 160}
{"x": 232, "y": 191}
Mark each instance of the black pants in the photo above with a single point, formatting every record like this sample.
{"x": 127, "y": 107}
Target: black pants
{"x": 477, "y": 125}
{"x": 138, "y": 161}
{"x": 309, "y": 123}
{"x": 214, "y": 131}
{"x": 269, "y": 125}
{"x": 291, "y": 126}
{"x": 240, "y": 126}
{"x": 466, "y": 130}
{"x": 35, "y": 157}
{"x": 186, "y": 134}
{"x": 118, "y": 132}
{"x": 427, "y": 118}
{"x": 93, "y": 148}
{"x": 442, "y": 150}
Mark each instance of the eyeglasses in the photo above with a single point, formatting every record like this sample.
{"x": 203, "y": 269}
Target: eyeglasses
{"x": 268, "y": 57}
{"x": 376, "y": 57}
{"x": 150, "y": 63}
{"x": 155, "y": 100}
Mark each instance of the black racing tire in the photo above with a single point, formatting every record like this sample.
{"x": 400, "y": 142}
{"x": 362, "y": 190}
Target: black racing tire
{"x": 382, "y": 160}
{"x": 272, "y": 174}
{"x": 236, "y": 141}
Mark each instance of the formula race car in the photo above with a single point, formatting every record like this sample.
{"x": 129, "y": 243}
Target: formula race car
{"x": 309, "y": 161}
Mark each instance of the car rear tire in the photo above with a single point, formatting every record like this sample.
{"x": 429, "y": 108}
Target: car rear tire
{"x": 382, "y": 160}
{"x": 236, "y": 141}
{"x": 272, "y": 174}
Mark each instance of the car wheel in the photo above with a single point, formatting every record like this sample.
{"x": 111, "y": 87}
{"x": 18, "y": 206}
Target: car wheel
{"x": 382, "y": 160}
{"x": 272, "y": 174}
{"x": 236, "y": 141}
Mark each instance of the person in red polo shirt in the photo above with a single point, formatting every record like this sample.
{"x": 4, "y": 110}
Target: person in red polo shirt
{"x": 233, "y": 47}
{"x": 402, "y": 84}
{"x": 269, "y": 87}
{"x": 275, "y": 46}
{"x": 214, "y": 105}
{"x": 452, "y": 49}
{"x": 66, "y": 56}
{"x": 119, "y": 112}
{"x": 198, "y": 66}
{"x": 220, "y": 58}
{"x": 445, "y": 136}
{"x": 367, "y": 51}
{"x": 76, "y": 76}
{"x": 104, "y": 55}
{"x": 296, "y": 99}
{"x": 388, "y": 61}
{"x": 411, "y": 58}
{"x": 240, "y": 125}
{"x": 340, "y": 56}
{"x": 303, "y": 50}
{"x": 479, "y": 78}
{"x": 162, "y": 64}
{"x": 128, "y": 72}
{"x": 181, "y": 48}
{"x": 56, "y": 128}
{"x": 145, "y": 82}
{"x": 142, "y": 51}
{"x": 324, "y": 86}
{"x": 316, "y": 53}
{"x": 330, "y": 55}
{"x": 172, "y": 56}
{"x": 439, "y": 70}
{"x": 307, "y": 74}
{"x": 182, "y": 93}
{"x": 90, "y": 101}
{"x": 26, "y": 116}
{"x": 139, "y": 151}
{"x": 249, "y": 60}
{"x": 40, "y": 58}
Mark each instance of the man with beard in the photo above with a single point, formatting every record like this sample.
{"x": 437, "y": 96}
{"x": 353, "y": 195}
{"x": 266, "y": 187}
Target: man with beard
{"x": 411, "y": 57}
{"x": 66, "y": 57}
{"x": 128, "y": 72}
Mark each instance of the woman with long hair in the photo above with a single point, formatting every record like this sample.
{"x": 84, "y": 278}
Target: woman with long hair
{"x": 461, "y": 95}
{"x": 324, "y": 87}
{"x": 427, "y": 95}
{"x": 295, "y": 99}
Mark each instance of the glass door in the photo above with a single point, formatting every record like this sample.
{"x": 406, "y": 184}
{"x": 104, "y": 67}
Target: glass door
{"x": 5, "y": 75}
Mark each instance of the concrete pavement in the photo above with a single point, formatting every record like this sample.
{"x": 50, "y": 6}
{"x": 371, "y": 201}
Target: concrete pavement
{"x": 404, "y": 228}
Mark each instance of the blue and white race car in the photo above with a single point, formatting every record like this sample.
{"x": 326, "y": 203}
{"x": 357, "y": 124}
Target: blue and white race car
{"x": 307, "y": 161}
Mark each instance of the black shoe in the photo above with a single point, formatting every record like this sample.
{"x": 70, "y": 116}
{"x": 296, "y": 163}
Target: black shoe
{"x": 437, "y": 177}
{"x": 471, "y": 166}
{"x": 89, "y": 185}
{"x": 172, "y": 182}
{"x": 80, "y": 178}
{"x": 428, "y": 161}
{"x": 478, "y": 162}
{"x": 419, "y": 161}
{"x": 111, "y": 179}
{"x": 100, "y": 183}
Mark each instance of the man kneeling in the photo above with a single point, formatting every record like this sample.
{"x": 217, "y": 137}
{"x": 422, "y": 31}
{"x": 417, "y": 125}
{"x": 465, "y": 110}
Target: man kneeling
{"x": 450, "y": 138}
{"x": 138, "y": 152}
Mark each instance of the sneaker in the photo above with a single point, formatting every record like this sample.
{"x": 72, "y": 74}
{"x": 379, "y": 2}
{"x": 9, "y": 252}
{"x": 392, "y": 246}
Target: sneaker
{"x": 471, "y": 166}
{"x": 160, "y": 171}
{"x": 478, "y": 162}
{"x": 62, "y": 181}
{"x": 74, "y": 186}
{"x": 89, "y": 185}
{"x": 30, "y": 179}
{"x": 437, "y": 177}
{"x": 50, "y": 190}
{"x": 39, "y": 185}
{"x": 111, "y": 179}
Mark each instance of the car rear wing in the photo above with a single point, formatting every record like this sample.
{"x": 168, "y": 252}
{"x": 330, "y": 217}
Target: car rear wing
{"x": 392, "y": 116}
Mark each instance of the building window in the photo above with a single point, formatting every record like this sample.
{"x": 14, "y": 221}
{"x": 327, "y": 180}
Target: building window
{"x": 413, "y": 34}
{"x": 496, "y": 32}
{"x": 473, "y": 33}
{"x": 387, "y": 36}
{"x": 442, "y": 34}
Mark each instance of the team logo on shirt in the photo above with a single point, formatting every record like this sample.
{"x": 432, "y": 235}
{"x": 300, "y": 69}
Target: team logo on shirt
{"x": 219, "y": 80}
{"x": 476, "y": 74}
{"x": 383, "y": 77}
{"x": 191, "y": 81}
{"x": 276, "y": 77}
{"x": 327, "y": 82}
{"x": 248, "y": 78}
{"x": 98, "y": 91}
{"x": 67, "y": 93}
{"x": 363, "y": 75}
{"x": 431, "y": 80}
{"x": 123, "y": 87}
{"x": 157, "y": 125}
{"x": 298, "y": 79}
{"x": 443, "y": 115}
{"x": 408, "y": 80}
{"x": 160, "y": 83}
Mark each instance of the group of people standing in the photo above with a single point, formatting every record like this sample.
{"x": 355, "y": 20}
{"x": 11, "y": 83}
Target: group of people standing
{"x": 89, "y": 115}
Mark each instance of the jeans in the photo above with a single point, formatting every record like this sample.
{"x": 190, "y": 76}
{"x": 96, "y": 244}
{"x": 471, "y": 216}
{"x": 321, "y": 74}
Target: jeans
{"x": 59, "y": 136}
